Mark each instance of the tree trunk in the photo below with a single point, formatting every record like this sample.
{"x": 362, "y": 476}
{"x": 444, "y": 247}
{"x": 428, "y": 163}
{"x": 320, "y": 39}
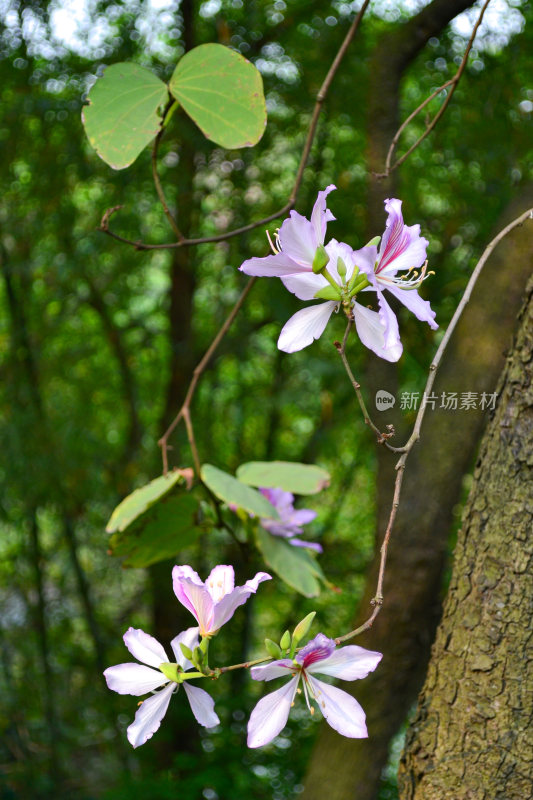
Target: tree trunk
{"x": 469, "y": 739}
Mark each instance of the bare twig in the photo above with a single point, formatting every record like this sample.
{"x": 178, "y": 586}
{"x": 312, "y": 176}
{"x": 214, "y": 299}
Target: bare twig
{"x": 381, "y": 437}
{"x": 451, "y": 85}
{"x": 377, "y": 600}
{"x": 184, "y": 242}
{"x": 184, "y": 412}
{"x": 157, "y": 182}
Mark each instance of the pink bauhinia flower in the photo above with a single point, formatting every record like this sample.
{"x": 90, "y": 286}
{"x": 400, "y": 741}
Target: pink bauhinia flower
{"x": 136, "y": 679}
{"x": 214, "y": 602}
{"x": 402, "y": 248}
{"x": 297, "y": 246}
{"x": 341, "y": 710}
{"x": 309, "y": 324}
{"x": 296, "y": 243}
{"x": 290, "y": 522}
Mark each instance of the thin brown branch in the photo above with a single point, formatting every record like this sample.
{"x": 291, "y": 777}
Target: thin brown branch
{"x": 452, "y": 85}
{"x": 377, "y": 600}
{"x": 157, "y": 181}
{"x": 184, "y": 412}
{"x": 320, "y": 98}
{"x": 381, "y": 437}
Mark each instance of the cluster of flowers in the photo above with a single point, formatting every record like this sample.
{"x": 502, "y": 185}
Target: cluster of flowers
{"x": 213, "y": 603}
{"x": 336, "y": 274}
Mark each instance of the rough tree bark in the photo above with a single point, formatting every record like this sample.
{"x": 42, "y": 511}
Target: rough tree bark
{"x": 469, "y": 739}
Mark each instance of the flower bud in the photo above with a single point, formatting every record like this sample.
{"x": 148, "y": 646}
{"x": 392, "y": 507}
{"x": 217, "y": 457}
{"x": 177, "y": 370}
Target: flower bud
{"x": 341, "y": 268}
{"x": 320, "y": 260}
{"x": 273, "y": 649}
{"x": 375, "y": 241}
{"x": 303, "y": 628}
{"x": 285, "y": 641}
{"x": 187, "y": 652}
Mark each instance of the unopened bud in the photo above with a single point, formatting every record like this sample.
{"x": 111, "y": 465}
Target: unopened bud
{"x": 375, "y": 241}
{"x": 273, "y": 649}
{"x": 321, "y": 259}
{"x": 285, "y": 641}
{"x": 187, "y": 652}
{"x": 341, "y": 268}
{"x": 303, "y": 628}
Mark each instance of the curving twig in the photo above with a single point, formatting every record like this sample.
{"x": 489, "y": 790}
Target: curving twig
{"x": 452, "y": 85}
{"x": 377, "y": 600}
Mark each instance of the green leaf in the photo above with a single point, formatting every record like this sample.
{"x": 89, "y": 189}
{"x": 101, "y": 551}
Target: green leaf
{"x": 292, "y": 564}
{"x": 169, "y": 527}
{"x": 223, "y": 93}
{"x": 232, "y": 491}
{"x": 141, "y": 499}
{"x": 122, "y": 115}
{"x": 287, "y": 475}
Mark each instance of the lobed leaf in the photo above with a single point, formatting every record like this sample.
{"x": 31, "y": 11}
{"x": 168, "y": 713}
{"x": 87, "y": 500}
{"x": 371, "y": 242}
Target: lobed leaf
{"x": 136, "y": 503}
{"x": 122, "y": 116}
{"x": 287, "y": 475}
{"x": 293, "y": 565}
{"x": 223, "y": 93}
{"x": 233, "y": 492}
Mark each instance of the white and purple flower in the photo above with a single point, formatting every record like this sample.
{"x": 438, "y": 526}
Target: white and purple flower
{"x": 137, "y": 679}
{"x": 290, "y": 522}
{"x": 401, "y": 248}
{"x": 320, "y": 655}
{"x": 299, "y": 252}
{"x": 214, "y": 602}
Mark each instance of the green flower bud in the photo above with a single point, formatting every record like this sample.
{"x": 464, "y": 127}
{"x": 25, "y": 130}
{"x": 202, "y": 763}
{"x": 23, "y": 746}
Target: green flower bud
{"x": 303, "y": 628}
{"x": 341, "y": 268}
{"x": 273, "y": 649}
{"x": 285, "y": 641}
{"x": 376, "y": 240}
{"x": 320, "y": 260}
{"x": 187, "y": 652}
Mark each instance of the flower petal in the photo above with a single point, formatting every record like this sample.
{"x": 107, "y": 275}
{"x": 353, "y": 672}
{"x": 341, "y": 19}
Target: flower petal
{"x": 412, "y": 300}
{"x": 225, "y": 609}
{"x": 149, "y": 715}
{"x": 311, "y": 545}
{"x": 316, "y": 649}
{"x": 402, "y": 247}
{"x": 321, "y": 215}
{"x": 336, "y": 250}
{"x": 305, "y": 326}
{"x": 298, "y": 240}
{"x": 304, "y": 285}
{"x": 202, "y": 706}
{"x": 302, "y": 516}
{"x": 270, "y": 715}
{"x": 391, "y": 332}
{"x": 190, "y": 639}
{"x": 341, "y": 710}
{"x": 371, "y": 332}
{"x": 221, "y": 581}
{"x": 274, "y": 669}
{"x": 348, "y": 663}
{"x": 133, "y": 679}
{"x": 366, "y": 258}
{"x": 144, "y": 647}
{"x": 195, "y": 597}
{"x": 272, "y": 266}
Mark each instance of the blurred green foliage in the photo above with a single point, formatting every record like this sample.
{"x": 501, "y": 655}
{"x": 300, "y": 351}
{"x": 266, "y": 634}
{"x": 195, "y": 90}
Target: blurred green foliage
{"x": 86, "y": 354}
